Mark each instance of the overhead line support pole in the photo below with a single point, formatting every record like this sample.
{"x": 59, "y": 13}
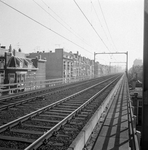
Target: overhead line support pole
{"x": 116, "y": 53}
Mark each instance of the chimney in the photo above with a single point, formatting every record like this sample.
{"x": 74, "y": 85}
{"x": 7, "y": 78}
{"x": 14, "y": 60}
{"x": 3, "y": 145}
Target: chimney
{"x": 10, "y": 48}
{"x": 14, "y": 52}
{"x": 19, "y": 50}
{"x": 3, "y": 47}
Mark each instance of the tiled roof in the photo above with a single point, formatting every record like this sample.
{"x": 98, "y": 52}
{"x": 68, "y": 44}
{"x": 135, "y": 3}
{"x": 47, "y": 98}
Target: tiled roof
{"x": 21, "y": 63}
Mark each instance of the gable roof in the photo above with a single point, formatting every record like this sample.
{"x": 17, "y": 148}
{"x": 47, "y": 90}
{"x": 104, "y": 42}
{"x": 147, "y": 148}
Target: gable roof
{"x": 20, "y": 63}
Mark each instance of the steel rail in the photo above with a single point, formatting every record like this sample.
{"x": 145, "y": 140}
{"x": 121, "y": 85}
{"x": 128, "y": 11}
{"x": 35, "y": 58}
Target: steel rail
{"x": 44, "y": 89}
{"x": 48, "y": 134}
{"x": 27, "y": 92}
{"x": 3, "y": 98}
{"x": 36, "y": 90}
{"x": 28, "y": 100}
{"x": 24, "y": 118}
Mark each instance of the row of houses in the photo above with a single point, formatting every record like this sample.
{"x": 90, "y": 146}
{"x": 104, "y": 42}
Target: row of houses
{"x": 17, "y": 67}
{"x": 61, "y": 64}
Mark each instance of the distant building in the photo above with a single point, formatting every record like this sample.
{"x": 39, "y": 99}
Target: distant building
{"x": 97, "y": 69}
{"x": 62, "y": 64}
{"x": 41, "y": 72}
{"x": 16, "y": 68}
{"x": 54, "y": 62}
{"x": 137, "y": 62}
{"x": 83, "y": 67}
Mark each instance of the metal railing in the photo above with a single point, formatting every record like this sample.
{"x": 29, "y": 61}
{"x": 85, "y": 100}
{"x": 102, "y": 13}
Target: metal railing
{"x": 33, "y": 85}
{"x": 135, "y": 136}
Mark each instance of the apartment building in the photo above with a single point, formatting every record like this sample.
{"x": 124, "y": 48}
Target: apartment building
{"x": 62, "y": 64}
{"x": 19, "y": 71}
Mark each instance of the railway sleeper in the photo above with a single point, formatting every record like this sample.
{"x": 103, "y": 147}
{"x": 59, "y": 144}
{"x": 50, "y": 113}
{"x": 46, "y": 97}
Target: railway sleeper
{"x": 74, "y": 122}
{"x": 70, "y": 128}
{"x": 3, "y": 103}
{"x": 91, "y": 106}
{"x": 67, "y": 109}
{"x": 61, "y": 111}
{"x": 3, "y": 148}
{"x": 36, "y": 126}
{"x": 46, "y": 120}
{"x": 62, "y": 135}
{"x": 27, "y": 131}
{"x": 18, "y": 139}
{"x": 58, "y": 144}
{"x": 54, "y": 116}
{"x": 94, "y": 104}
{"x": 87, "y": 110}
{"x": 79, "y": 118}
{"x": 82, "y": 115}
{"x": 72, "y": 104}
{"x": 69, "y": 106}
{"x": 56, "y": 113}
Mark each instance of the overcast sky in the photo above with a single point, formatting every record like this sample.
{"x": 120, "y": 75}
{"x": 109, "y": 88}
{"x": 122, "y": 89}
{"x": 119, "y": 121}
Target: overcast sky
{"x": 86, "y": 26}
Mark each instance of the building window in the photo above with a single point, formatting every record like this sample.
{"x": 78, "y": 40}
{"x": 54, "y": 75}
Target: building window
{"x": 140, "y": 103}
{"x": 64, "y": 65}
{"x": 2, "y": 63}
{"x": 67, "y": 65}
{"x": 2, "y": 77}
{"x": 11, "y": 77}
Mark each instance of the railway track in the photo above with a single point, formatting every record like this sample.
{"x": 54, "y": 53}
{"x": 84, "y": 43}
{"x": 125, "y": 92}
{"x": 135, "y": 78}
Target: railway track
{"x": 18, "y": 106}
{"x": 27, "y": 94}
{"x": 55, "y": 126}
{"x": 18, "y": 97}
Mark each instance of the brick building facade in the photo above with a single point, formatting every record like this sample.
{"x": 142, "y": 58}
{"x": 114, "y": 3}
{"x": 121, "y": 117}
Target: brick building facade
{"x": 19, "y": 71}
{"x": 62, "y": 64}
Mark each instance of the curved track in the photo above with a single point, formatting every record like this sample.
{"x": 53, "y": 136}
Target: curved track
{"x": 55, "y": 121}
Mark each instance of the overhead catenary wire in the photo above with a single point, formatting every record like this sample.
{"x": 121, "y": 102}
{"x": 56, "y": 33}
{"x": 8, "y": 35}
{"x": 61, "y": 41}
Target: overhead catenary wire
{"x": 91, "y": 24}
{"x": 100, "y": 24}
{"x": 99, "y": 19}
{"x": 44, "y": 26}
{"x": 50, "y": 15}
{"x": 106, "y": 24}
{"x": 55, "y": 13}
{"x": 70, "y": 30}
{"x": 102, "y": 28}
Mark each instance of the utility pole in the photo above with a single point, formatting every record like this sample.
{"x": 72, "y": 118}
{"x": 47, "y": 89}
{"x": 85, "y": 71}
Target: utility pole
{"x": 144, "y": 135}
